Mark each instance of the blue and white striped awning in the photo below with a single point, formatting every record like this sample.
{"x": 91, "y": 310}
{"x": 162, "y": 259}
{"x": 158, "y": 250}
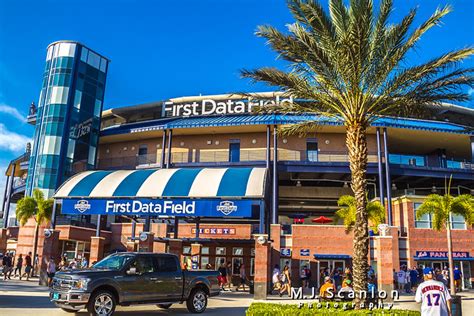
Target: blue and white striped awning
{"x": 166, "y": 183}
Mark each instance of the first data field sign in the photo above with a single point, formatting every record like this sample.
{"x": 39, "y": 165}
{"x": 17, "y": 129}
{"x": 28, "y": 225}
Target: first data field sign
{"x": 156, "y": 207}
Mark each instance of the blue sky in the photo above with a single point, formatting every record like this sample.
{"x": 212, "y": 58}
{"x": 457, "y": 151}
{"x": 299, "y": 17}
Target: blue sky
{"x": 163, "y": 49}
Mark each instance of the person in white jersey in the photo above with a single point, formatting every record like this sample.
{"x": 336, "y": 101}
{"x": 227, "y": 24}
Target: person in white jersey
{"x": 433, "y": 296}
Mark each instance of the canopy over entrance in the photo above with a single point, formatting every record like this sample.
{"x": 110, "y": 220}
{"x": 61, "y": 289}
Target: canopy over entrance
{"x": 202, "y": 192}
{"x": 166, "y": 183}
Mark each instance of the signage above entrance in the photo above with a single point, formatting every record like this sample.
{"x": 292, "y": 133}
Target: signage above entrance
{"x": 219, "y": 107}
{"x": 459, "y": 255}
{"x": 160, "y": 207}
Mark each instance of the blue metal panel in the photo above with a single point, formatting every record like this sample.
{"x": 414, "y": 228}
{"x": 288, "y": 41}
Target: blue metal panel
{"x": 132, "y": 183}
{"x": 234, "y": 182}
{"x": 86, "y": 185}
{"x": 331, "y": 256}
{"x": 180, "y": 182}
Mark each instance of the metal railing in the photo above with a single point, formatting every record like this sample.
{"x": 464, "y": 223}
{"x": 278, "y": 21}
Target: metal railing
{"x": 182, "y": 155}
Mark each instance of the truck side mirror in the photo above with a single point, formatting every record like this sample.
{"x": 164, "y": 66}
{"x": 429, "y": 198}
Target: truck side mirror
{"x": 132, "y": 271}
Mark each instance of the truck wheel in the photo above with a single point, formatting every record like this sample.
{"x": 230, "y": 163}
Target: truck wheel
{"x": 101, "y": 303}
{"x": 164, "y": 306}
{"x": 197, "y": 301}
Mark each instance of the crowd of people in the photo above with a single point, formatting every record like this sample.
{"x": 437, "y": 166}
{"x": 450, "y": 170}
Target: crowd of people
{"x": 20, "y": 266}
{"x": 407, "y": 280}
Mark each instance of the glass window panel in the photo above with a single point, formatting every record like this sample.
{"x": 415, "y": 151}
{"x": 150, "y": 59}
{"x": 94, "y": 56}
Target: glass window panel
{"x": 219, "y": 262}
{"x": 424, "y": 221}
{"x": 93, "y": 59}
{"x": 84, "y": 53}
{"x": 237, "y": 251}
{"x": 204, "y": 262}
{"x": 220, "y": 250}
{"x": 186, "y": 250}
{"x": 236, "y": 263}
{"x": 103, "y": 64}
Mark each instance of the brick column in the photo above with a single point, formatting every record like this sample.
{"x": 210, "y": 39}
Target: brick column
{"x": 3, "y": 240}
{"x": 97, "y": 249}
{"x": 50, "y": 250}
{"x": 275, "y": 236}
{"x": 175, "y": 246}
{"x": 195, "y": 255}
{"x": 386, "y": 261}
{"x": 262, "y": 268}
{"x": 131, "y": 246}
{"x": 146, "y": 245}
{"x": 160, "y": 230}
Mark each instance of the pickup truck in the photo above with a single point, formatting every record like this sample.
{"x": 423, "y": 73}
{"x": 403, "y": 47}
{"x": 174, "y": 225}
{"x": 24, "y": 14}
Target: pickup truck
{"x": 133, "y": 278}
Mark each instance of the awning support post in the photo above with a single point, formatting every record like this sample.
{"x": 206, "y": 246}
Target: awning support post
{"x": 170, "y": 143}
{"x": 5, "y": 218}
{"x": 163, "y": 149}
{"x": 261, "y": 228}
{"x": 53, "y": 215}
{"x": 197, "y": 227}
{"x": 268, "y": 147}
{"x": 9, "y": 196}
{"x": 147, "y": 223}
{"x": 176, "y": 227}
{"x": 387, "y": 178}
{"x": 134, "y": 228}
{"x": 97, "y": 229}
{"x": 380, "y": 170}
{"x": 274, "y": 218}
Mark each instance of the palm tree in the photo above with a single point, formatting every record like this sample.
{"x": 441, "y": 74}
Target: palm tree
{"x": 350, "y": 65}
{"x": 38, "y": 207}
{"x": 347, "y": 213}
{"x": 441, "y": 207}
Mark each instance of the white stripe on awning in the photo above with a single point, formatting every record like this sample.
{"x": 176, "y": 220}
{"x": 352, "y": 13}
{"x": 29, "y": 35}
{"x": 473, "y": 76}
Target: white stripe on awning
{"x": 106, "y": 186}
{"x": 207, "y": 182}
{"x": 71, "y": 183}
{"x": 254, "y": 185}
{"x": 156, "y": 183}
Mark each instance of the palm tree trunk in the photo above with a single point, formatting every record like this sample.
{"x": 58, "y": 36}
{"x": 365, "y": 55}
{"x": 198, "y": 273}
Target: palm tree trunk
{"x": 450, "y": 256}
{"x": 35, "y": 247}
{"x": 356, "y": 143}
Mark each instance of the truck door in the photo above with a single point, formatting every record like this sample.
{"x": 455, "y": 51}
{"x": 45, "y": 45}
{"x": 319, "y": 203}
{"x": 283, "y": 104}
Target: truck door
{"x": 168, "y": 278}
{"x": 139, "y": 286}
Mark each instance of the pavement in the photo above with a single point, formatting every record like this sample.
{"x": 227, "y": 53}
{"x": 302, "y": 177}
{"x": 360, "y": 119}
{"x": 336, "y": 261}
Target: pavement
{"x": 22, "y": 298}
{"x": 28, "y": 298}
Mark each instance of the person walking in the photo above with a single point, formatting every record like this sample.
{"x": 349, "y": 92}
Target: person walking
{"x": 229, "y": 275}
{"x": 51, "y": 270}
{"x": 19, "y": 266}
{"x": 243, "y": 277}
{"x": 457, "y": 279}
{"x": 401, "y": 279}
{"x": 433, "y": 295}
{"x": 7, "y": 263}
{"x": 84, "y": 263}
{"x": 222, "y": 275}
{"x": 28, "y": 266}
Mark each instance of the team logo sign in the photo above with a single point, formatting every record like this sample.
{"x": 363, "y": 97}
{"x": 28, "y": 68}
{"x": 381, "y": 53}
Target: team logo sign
{"x": 82, "y": 206}
{"x": 226, "y": 207}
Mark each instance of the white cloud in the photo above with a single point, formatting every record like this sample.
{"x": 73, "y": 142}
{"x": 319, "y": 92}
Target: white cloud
{"x": 12, "y": 111}
{"x": 12, "y": 141}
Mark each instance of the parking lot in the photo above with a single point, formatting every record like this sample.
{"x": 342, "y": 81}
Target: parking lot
{"x": 21, "y": 298}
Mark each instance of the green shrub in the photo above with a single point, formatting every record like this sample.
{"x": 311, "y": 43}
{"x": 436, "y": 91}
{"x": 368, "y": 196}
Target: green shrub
{"x": 272, "y": 309}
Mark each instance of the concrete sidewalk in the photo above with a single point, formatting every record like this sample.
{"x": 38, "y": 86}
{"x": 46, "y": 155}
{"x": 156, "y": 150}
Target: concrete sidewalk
{"x": 28, "y": 298}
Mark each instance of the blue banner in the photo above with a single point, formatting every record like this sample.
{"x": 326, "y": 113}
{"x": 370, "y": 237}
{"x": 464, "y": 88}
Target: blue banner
{"x": 155, "y": 207}
{"x": 428, "y": 254}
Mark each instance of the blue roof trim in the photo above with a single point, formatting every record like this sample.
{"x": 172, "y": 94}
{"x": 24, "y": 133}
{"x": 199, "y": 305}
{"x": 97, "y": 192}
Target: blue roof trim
{"x": 331, "y": 256}
{"x": 279, "y": 119}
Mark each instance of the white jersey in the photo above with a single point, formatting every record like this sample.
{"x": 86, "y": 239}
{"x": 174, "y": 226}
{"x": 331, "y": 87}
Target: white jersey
{"x": 434, "y": 297}
{"x": 402, "y": 277}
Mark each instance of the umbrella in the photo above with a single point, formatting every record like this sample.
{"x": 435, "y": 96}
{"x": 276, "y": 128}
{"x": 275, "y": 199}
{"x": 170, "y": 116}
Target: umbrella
{"x": 321, "y": 220}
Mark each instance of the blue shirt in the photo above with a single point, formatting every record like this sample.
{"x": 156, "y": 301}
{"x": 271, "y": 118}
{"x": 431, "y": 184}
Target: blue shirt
{"x": 457, "y": 274}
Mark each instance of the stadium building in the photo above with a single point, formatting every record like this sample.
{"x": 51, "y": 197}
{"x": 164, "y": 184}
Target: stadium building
{"x": 206, "y": 178}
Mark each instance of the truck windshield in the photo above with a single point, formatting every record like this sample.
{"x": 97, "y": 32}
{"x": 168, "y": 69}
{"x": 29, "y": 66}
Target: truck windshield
{"x": 113, "y": 262}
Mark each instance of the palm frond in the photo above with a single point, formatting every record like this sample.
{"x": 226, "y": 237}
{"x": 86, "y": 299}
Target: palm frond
{"x": 464, "y": 205}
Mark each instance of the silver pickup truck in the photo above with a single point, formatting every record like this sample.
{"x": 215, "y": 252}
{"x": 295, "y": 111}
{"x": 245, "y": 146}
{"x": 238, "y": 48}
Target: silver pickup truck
{"x": 133, "y": 278}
